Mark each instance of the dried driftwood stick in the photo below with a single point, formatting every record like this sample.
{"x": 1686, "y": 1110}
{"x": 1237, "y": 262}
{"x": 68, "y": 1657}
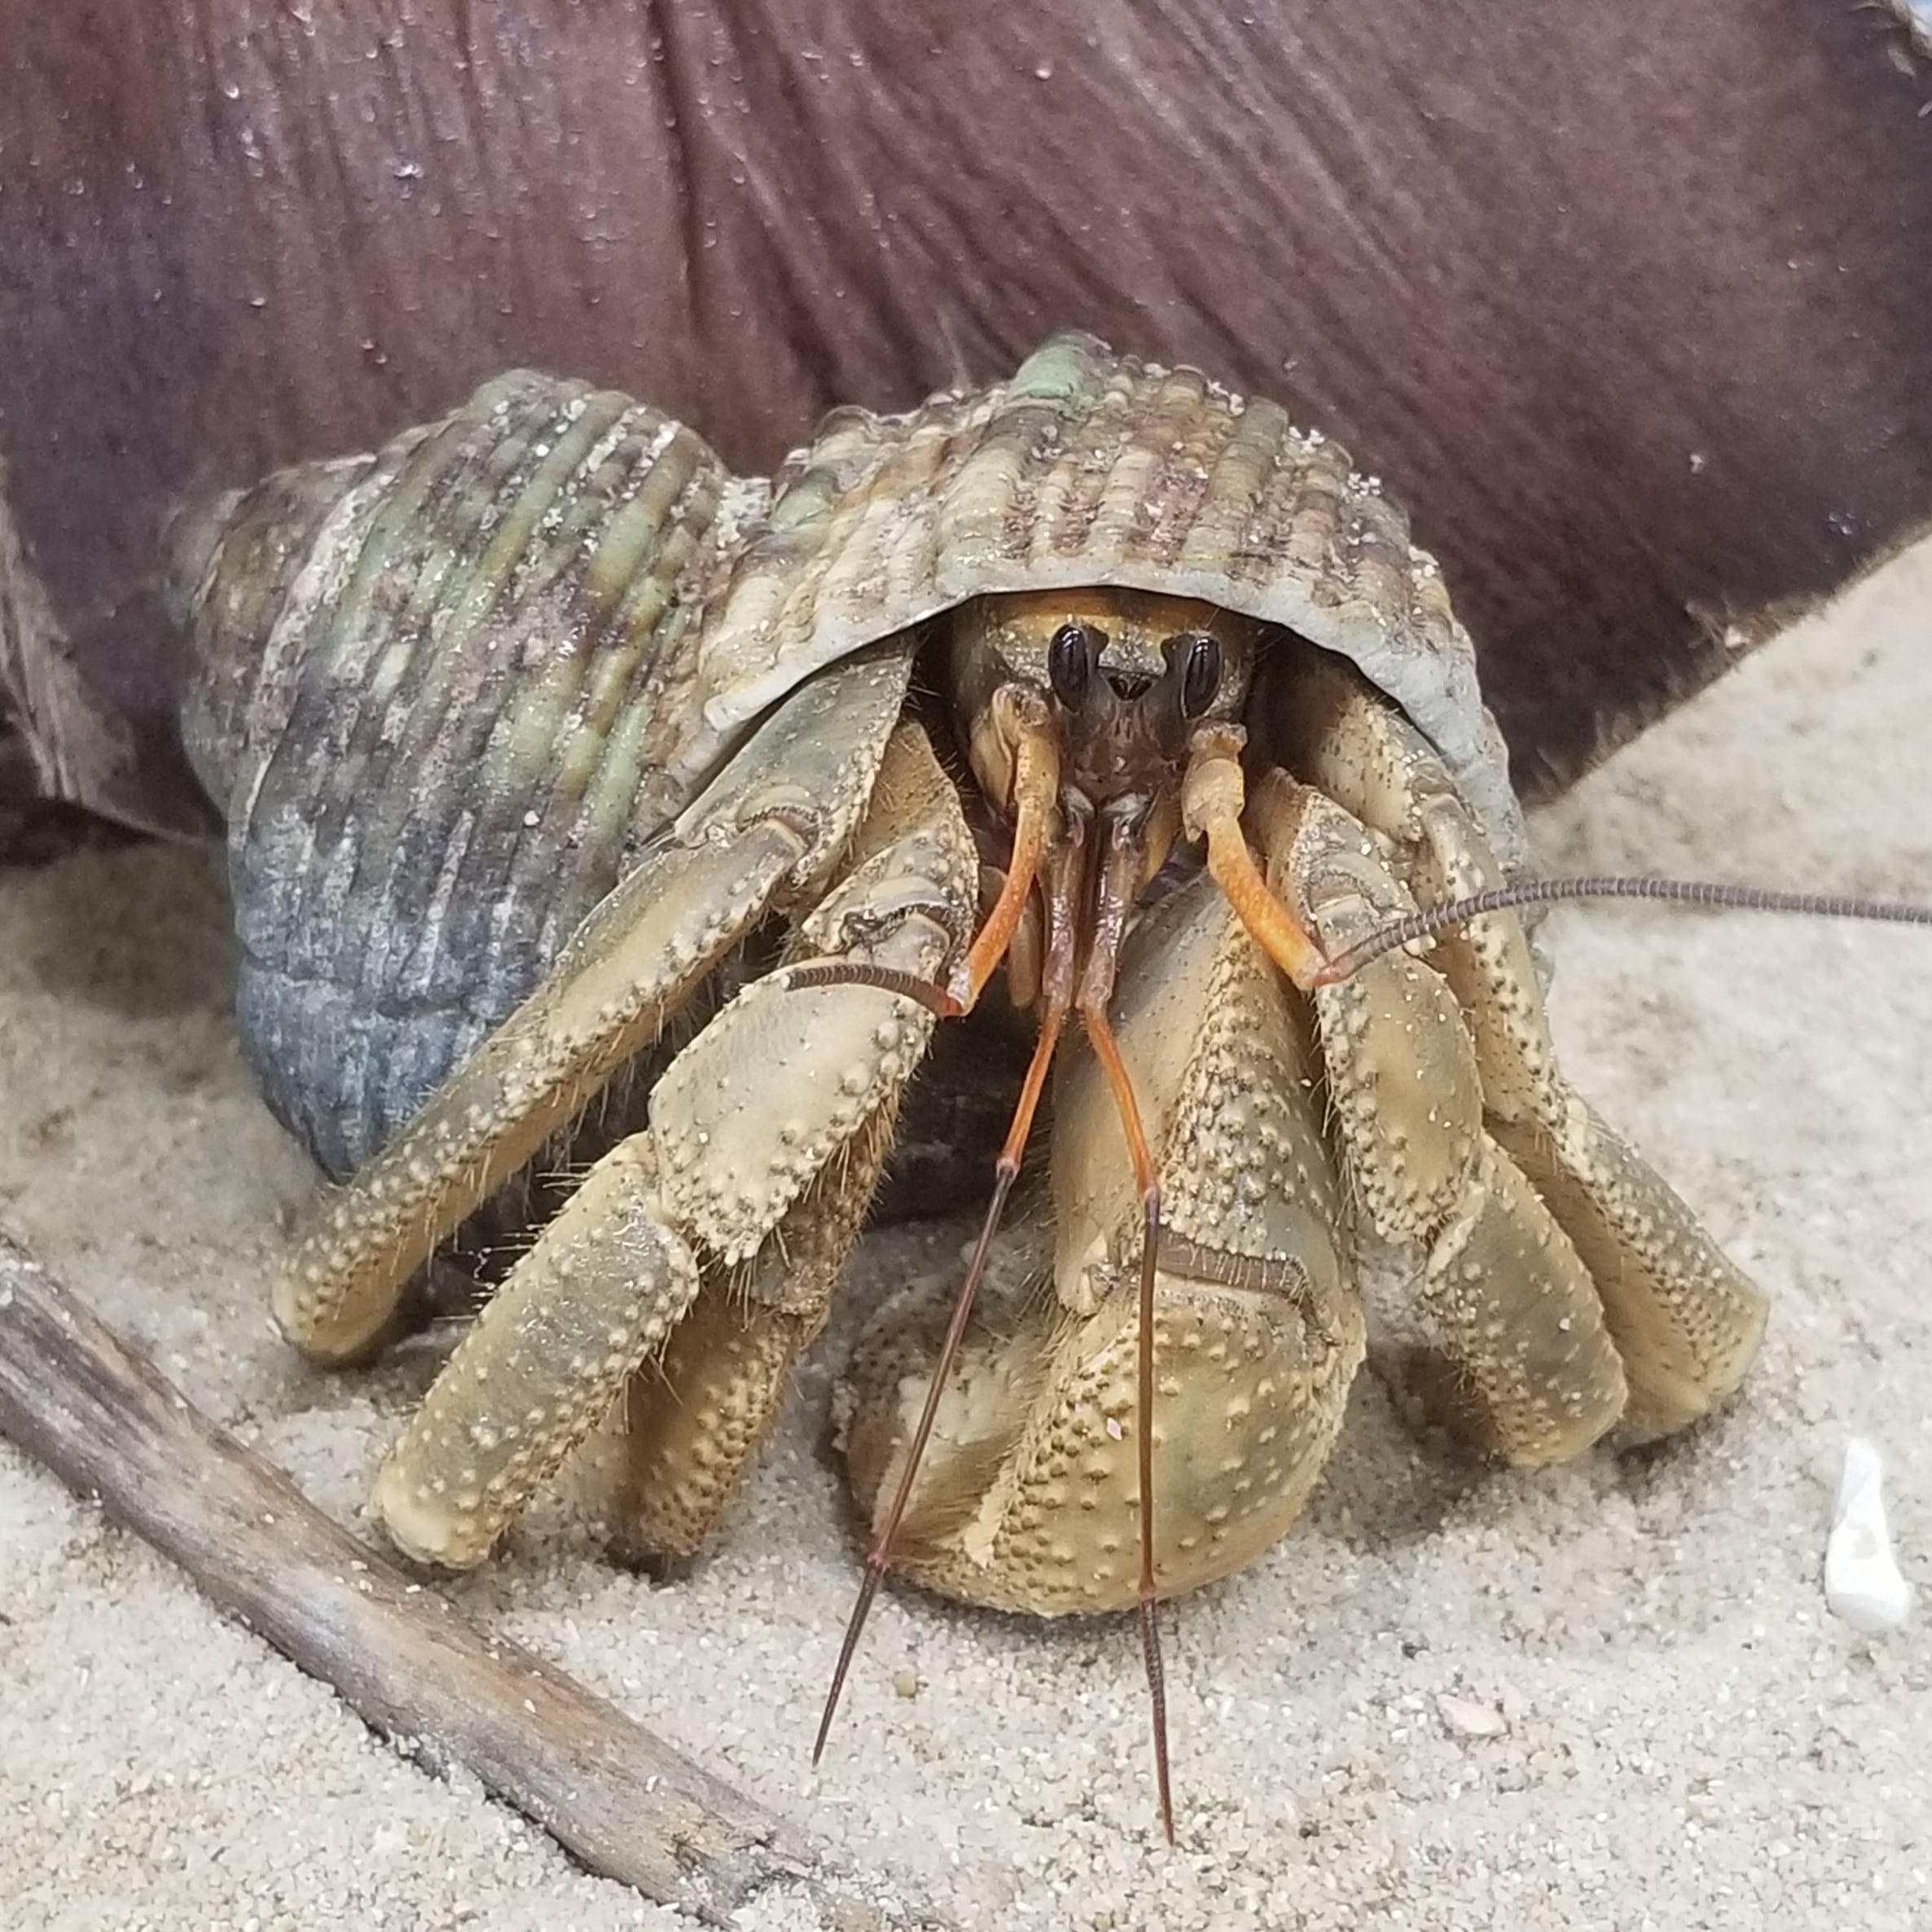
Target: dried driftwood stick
{"x": 398, "y": 1653}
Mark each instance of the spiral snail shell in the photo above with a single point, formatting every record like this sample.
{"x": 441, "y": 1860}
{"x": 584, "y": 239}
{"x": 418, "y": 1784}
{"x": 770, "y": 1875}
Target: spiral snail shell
{"x": 539, "y": 735}
{"x": 444, "y": 693}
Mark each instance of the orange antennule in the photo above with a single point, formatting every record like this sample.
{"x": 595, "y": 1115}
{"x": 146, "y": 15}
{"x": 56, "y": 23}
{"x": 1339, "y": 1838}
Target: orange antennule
{"x": 1212, "y": 795}
{"x": 1036, "y": 793}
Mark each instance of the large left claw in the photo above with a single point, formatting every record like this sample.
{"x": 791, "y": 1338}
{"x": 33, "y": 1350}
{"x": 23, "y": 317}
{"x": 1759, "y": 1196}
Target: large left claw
{"x": 1028, "y": 1497}
{"x": 697, "y": 1258}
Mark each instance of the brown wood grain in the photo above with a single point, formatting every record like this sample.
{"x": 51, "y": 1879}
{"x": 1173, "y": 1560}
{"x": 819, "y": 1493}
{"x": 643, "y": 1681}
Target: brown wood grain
{"x": 1631, "y": 306}
{"x": 398, "y": 1652}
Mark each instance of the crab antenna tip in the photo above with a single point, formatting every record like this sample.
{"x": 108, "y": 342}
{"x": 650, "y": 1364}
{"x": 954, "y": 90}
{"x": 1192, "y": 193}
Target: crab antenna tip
{"x": 1005, "y": 1175}
{"x": 1156, "y": 1691}
{"x": 854, "y": 1627}
{"x": 1107, "y": 1049}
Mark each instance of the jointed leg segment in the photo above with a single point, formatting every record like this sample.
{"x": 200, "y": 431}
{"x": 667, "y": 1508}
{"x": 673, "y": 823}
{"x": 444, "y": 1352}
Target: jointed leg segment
{"x": 697, "y": 1258}
{"x": 1515, "y": 1308}
{"x": 1684, "y": 1321}
{"x": 753, "y": 840}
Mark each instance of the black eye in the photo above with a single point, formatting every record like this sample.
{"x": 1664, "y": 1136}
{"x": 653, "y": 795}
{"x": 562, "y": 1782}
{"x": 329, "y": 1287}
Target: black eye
{"x": 1069, "y": 662}
{"x": 1200, "y": 675}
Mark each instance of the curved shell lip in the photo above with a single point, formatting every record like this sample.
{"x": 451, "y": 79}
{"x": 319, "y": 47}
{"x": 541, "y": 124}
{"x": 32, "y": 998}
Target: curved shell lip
{"x": 1085, "y": 469}
{"x": 1426, "y": 684}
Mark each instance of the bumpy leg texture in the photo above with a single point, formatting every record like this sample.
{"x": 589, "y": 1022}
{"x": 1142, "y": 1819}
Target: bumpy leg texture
{"x": 757, "y": 838}
{"x": 1513, "y": 1302}
{"x": 606, "y": 1284}
{"x": 698, "y": 1416}
{"x": 1028, "y": 1495}
{"x": 699, "y": 1257}
{"x": 1685, "y": 1321}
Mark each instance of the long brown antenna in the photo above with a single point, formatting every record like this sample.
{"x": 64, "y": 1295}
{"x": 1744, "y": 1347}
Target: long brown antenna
{"x": 1683, "y": 892}
{"x": 1036, "y": 787}
{"x": 928, "y": 993}
{"x": 879, "y": 1557}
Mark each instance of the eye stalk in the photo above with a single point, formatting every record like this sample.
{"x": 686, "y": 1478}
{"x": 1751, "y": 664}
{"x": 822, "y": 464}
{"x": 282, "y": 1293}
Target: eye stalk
{"x": 1071, "y": 656}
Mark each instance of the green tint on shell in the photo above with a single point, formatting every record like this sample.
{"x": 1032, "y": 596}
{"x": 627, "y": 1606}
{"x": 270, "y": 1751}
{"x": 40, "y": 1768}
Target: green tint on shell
{"x": 443, "y": 691}
{"x": 441, "y": 694}
{"x": 1086, "y": 468}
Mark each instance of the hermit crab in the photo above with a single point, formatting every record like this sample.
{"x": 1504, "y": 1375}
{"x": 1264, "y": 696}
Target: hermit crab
{"x": 565, "y": 772}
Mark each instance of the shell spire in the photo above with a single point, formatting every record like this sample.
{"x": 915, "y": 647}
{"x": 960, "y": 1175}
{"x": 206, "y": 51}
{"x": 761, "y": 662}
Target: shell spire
{"x": 440, "y": 692}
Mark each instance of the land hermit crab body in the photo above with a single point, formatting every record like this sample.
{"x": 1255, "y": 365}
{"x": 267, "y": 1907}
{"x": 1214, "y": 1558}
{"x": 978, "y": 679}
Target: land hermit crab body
{"x": 550, "y": 751}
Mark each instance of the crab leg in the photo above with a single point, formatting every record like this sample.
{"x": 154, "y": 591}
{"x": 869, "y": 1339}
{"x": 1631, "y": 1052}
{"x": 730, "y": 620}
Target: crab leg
{"x": 734, "y": 1210}
{"x": 1028, "y": 1497}
{"x": 602, "y": 1288}
{"x": 769, "y": 828}
{"x": 776, "y": 1125}
{"x": 1534, "y": 1373}
{"x": 1686, "y": 1322}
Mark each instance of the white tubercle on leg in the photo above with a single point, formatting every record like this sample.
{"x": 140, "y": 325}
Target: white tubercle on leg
{"x": 1863, "y": 1585}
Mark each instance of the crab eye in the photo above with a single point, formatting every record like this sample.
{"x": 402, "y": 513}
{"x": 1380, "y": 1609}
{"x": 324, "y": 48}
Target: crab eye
{"x": 1069, "y": 662}
{"x": 1200, "y": 675}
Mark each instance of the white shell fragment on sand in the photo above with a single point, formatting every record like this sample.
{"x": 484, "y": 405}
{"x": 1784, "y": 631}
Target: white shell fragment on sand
{"x": 1464, "y": 1717}
{"x": 1863, "y": 1585}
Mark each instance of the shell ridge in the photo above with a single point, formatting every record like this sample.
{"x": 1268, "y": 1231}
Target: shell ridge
{"x": 376, "y": 648}
{"x": 478, "y": 570}
{"x": 1085, "y": 467}
{"x": 648, "y": 608}
{"x": 586, "y": 621}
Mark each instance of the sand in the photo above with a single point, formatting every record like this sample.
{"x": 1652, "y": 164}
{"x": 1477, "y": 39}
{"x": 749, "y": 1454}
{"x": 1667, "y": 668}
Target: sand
{"x": 1609, "y": 1696}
